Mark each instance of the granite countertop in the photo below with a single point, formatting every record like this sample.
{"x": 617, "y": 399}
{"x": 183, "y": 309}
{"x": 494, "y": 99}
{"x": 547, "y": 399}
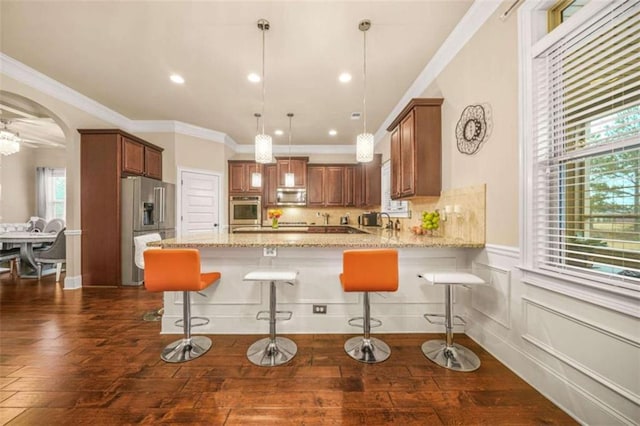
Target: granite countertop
{"x": 283, "y": 237}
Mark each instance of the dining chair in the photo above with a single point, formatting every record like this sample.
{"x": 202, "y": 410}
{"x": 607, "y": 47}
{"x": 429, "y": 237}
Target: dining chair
{"x": 38, "y": 225}
{"x": 54, "y": 226}
{"x": 55, "y": 253}
{"x": 11, "y": 255}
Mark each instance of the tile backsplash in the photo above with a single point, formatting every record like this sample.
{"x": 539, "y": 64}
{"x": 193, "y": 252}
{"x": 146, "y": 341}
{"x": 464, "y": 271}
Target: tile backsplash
{"x": 462, "y": 213}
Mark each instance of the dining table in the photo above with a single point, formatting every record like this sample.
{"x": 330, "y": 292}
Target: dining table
{"x": 26, "y": 241}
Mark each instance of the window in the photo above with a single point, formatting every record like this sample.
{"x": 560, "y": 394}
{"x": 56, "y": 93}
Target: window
{"x": 562, "y": 11}
{"x": 392, "y": 207}
{"x": 51, "y": 198}
{"x": 585, "y": 150}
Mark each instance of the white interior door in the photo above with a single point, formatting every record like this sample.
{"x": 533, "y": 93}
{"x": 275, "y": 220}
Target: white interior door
{"x": 199, "y": 202}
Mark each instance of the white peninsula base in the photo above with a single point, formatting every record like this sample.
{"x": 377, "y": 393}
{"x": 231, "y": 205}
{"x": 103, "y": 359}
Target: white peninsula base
{"x": 232, "y": 304}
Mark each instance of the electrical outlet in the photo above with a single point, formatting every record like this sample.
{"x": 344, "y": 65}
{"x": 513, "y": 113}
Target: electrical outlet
{"x": 319, "y": 309}
{"x": 270, "y": 251}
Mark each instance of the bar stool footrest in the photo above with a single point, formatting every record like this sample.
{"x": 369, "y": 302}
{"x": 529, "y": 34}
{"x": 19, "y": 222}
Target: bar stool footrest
{"x": 203, "y": 321}
{"x": 359, "y": 322}
{"x": 266, "y": 315}
{"x": 457, "y": 319}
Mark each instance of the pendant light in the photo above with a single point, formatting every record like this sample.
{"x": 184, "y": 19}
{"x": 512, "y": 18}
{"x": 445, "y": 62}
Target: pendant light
{"x": 289, "y": 178}
{"x": 256, "y": 177}
{"x": 9, "y": 141}
{"x": 364, "y": 141}
{"x": 263, "y": 141}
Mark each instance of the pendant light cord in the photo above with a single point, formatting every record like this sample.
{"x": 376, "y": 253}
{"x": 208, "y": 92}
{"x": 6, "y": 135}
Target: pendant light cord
{"x": 289, "y": 168}
{"x": 364, "y": 79}
{"x": 263, "y": 89}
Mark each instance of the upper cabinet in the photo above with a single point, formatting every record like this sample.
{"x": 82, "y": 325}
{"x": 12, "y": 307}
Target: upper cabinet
{"x": 137, "y": 157}
{"x": 152, "y": 162}
{"x": 416, "y": 150}
{"x": 269, "y": 182}
{"x": 240, "y": 181}
{"x": 295, "y": 165}
{"x": 368, "y": 183}
{"x": 326, "y": 185}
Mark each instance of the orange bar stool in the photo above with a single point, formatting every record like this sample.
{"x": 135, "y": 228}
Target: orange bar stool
{"x": 271, "y": 351}
{"x": 366, "y": 271}
{"x": 445, "y": 353}
{"x": 179, "y": 270}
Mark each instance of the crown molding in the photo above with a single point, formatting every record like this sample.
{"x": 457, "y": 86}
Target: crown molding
{"x": 39, "y": 81}
{"x": 475, "y": 17}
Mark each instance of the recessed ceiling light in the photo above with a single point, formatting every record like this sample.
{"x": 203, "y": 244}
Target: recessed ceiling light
{"x": 253, "y": 77}
{"x": 278, "y": 132}
{"x": 333, "y": 132}
{"x": 176, "y": 78}
{"x": 345, "y": 77}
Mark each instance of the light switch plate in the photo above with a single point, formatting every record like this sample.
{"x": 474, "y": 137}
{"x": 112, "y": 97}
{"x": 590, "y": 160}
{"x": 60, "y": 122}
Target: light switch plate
{"x": 269, "y": 251}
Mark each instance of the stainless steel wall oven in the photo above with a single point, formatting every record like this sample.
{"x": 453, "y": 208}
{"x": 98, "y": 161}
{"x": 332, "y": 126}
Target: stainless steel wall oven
{"x": 245, "y": 210}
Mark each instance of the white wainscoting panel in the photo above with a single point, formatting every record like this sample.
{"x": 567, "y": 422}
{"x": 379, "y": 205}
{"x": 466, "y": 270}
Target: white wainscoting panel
{"x": 584, "y": 357}
{"x": 232, "y": 304}
{"x": 494, "y": 298}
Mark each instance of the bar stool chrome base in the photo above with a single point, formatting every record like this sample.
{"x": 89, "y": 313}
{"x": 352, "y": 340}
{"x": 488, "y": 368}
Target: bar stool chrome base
{"x": 186, "y": 349}
{"x": 455, "y": 357}
{"x": 370, "y": 351}
{"x": 268, "y": 353}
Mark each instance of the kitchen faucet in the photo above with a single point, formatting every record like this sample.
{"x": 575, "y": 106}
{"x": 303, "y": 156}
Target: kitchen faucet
{"x": 325, "y": 216}
{"x": 389, "y": 222}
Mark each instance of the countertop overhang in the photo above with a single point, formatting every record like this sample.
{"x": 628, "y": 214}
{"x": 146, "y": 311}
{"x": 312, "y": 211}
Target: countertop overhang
{"x": 373, "y": 238}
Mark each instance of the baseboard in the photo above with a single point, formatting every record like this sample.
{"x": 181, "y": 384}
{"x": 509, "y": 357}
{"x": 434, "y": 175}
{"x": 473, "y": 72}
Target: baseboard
{"x": 72, "y": 283}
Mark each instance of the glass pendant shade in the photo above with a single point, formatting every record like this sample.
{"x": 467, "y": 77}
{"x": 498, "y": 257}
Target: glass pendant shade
{"x": 364, "y": 148}
{"x": 263, "y": 149}
{"x": 289, "y": 180}
{"x": 9, "y": 143}
{"x": 256, "y": 179}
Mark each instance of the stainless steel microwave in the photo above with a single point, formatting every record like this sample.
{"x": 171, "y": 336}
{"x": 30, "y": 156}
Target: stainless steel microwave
{"x": 291, "y": 197}
{"x": 245, "y": 210}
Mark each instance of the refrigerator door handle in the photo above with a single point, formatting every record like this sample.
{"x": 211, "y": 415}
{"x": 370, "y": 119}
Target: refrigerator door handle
{"x": 163, "y": 205}
{"x": 157, "y": 202}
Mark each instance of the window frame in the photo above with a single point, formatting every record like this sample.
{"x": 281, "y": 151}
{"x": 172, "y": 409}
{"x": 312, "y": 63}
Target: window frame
{"x": 534, "y": 38}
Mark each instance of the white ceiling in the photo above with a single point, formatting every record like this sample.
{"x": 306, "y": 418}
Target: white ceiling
{"x": 120, "y": 53}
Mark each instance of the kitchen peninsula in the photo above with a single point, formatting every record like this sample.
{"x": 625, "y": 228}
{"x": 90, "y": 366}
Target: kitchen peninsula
{"x": 231, "y": 306}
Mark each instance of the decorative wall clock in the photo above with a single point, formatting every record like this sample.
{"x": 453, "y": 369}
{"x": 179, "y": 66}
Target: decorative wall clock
{"x": 473, "y": 128}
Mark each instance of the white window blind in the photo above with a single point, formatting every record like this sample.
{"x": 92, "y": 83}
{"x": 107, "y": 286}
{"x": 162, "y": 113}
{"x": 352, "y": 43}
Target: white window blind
{"x": 586, "y": 150}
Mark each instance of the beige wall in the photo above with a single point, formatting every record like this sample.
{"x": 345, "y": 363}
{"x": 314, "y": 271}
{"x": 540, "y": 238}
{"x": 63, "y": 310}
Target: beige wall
{"x": 485, "y": 72}
{"x": 17, "y": 183}
{"x": 18, "y": 180}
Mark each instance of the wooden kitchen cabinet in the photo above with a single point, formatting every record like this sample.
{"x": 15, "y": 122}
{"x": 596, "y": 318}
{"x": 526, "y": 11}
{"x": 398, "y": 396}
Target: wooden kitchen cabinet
{"x": 331, "y": 185}
{"x": 368, "y": 183}
{"x": 141, "y": 159}
{"x": 315, "y": 189}
{"x": 334, "y": 186}
{"x": 106, "y": 156}
{"x": 152, "y": 163}
{"x": 240, "y": 177}
{"x": 416, "y": 149}
{"x": 269, "y": 183}
{"x": 396, "y": 180}
{"x": 349, "y": 186}
{"x": 298, "y": 168}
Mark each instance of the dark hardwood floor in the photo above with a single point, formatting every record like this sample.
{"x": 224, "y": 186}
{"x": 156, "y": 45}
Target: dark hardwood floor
{"x": 87, "y": 357}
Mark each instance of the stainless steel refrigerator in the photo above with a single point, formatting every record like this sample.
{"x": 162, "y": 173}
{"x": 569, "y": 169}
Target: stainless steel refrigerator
{"x": 147, "y": 206}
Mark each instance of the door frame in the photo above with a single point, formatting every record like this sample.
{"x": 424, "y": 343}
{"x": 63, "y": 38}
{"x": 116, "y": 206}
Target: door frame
{"x": 222, "y": 201}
